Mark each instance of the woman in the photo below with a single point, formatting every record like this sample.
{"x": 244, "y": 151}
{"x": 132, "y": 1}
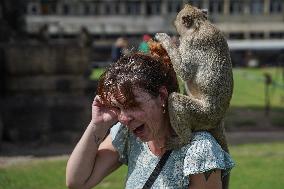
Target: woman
{"x": 132, "y": 94}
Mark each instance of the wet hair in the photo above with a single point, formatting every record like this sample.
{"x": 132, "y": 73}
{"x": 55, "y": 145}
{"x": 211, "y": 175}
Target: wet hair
{"x": 148, "y": 72}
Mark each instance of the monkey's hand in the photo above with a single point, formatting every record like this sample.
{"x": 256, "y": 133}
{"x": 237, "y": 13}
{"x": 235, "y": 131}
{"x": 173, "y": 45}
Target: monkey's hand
{"x": 165, "y": 39}
{"x": 171, "y": 49}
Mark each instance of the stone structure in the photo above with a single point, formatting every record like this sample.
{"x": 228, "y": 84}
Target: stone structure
{"x": 247, "y": 19}
{"x": 45, "y": 98}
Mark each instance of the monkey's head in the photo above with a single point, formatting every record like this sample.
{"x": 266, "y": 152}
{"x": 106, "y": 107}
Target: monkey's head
{"x": 189, "y": 18}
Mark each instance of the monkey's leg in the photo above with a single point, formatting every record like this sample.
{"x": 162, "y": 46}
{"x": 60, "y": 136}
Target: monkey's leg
{"x": 187, "y": 114}
{"x": 185, "y": 109}
{"x": 179, "y": 122}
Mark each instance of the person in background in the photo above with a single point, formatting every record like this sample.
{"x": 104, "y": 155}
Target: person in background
{"x": 119, "y": 49}
{"x": 131, "y": 102}
{"x": 43, "y": 34}
{"x": 143, "y": 46}
{"x": 85, "y": 38}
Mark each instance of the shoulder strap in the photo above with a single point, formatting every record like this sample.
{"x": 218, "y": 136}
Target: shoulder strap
{"x": 157, "y": 170}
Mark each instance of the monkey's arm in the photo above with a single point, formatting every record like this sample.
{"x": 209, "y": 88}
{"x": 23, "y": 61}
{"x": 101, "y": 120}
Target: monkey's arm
{"x": 171, "y": 49}
{"x": 183, "y": 69}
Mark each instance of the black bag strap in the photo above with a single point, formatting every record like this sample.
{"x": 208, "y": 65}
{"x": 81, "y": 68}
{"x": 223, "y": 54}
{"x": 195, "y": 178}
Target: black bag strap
{"x": 157, "y": 170}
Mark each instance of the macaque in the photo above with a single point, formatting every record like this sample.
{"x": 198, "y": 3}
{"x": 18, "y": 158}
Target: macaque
{"x": 203, "y": 62}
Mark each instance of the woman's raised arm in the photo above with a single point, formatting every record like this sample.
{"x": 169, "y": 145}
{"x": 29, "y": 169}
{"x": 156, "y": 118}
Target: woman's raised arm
{"x": 93, "y": 158}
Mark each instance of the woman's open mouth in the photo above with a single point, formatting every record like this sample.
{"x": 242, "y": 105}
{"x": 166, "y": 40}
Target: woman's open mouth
{"x": 139, "y": 130}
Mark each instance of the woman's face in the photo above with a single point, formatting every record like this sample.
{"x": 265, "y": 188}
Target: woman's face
{"x": 147, "y": 121}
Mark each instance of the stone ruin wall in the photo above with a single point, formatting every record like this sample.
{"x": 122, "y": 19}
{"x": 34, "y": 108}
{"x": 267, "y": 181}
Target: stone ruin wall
{"x": 45, "y": 96}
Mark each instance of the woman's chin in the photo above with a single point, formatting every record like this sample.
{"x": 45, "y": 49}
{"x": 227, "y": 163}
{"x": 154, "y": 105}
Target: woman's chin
{"x": 142, "y": 137}
{"x": 140, "y": 132}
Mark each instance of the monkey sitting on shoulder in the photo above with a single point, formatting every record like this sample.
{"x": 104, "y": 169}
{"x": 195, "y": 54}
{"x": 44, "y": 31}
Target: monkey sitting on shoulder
{"x": 203, "y": 62}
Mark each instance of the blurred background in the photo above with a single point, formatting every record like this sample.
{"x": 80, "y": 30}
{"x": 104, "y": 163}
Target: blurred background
{"x": 52, "y": 53}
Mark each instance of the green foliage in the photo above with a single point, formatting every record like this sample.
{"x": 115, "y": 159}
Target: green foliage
{"x": 258, "y": 166}
{"x": 96, "y": 73}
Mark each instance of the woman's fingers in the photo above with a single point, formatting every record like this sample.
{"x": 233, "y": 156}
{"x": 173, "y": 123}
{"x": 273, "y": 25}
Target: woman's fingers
{"x": 97, "y": 101}
{"x": 114, "y": 112}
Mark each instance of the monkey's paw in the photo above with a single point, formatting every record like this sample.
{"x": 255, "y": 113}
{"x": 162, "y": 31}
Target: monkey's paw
{"x": 163, "y": 38}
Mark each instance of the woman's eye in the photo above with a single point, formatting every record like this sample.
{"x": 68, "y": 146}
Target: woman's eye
{"x": 134, "y": 108}
{"x": 116, "y": 108}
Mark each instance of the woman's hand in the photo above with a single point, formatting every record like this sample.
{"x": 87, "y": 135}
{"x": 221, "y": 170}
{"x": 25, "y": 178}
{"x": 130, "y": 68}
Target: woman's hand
{"x": 93, "y": 157}
{"x": 103, "y": 117}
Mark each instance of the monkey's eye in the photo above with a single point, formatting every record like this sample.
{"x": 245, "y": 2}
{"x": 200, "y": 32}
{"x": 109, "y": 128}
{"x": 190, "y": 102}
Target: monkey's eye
{"x": 187, "y": 21}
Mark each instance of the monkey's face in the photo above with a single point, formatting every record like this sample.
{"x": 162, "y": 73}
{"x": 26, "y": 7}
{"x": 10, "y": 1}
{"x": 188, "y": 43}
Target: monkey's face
{"x": 187, "y": 19}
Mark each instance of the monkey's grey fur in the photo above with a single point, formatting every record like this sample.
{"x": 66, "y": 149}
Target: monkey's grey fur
{"x": 203, "y": 61}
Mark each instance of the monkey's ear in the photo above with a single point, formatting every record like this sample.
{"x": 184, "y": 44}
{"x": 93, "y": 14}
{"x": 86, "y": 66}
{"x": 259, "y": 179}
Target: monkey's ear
{"x": 187, "y": 5}
{"x": 187, "y": 21}
{"x": 205, "y": 13}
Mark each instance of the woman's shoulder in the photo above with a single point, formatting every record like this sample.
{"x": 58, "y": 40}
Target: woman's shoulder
{"x": 201, "y": 143}
{"x": 117, "y": 129}
{"x": 204, "y": 153}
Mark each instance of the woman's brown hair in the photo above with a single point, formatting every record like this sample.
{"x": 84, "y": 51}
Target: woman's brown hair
{"x": 146, "y": 71}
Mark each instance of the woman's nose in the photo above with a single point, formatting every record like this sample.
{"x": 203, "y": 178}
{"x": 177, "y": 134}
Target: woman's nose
{"x": 125, "y": 117}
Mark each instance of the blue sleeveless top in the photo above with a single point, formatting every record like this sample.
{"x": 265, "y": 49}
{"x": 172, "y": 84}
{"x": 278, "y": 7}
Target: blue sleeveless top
{"x": 201, "y": 155}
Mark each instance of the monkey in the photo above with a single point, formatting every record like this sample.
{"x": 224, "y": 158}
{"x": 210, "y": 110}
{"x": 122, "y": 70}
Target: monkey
{"x": 203, "y": 62}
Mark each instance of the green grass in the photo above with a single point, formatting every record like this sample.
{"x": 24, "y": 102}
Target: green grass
{"x": 259, "y": 166}
{"x": 34, "y": 175}
{"x": 96, "y": 73}
{"x": 249, "y": 87}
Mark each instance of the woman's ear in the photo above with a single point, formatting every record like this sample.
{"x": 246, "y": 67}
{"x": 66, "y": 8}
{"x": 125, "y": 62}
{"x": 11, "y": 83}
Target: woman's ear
{"x": 163, "y": 94}
{"x": 205, "y": 13}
